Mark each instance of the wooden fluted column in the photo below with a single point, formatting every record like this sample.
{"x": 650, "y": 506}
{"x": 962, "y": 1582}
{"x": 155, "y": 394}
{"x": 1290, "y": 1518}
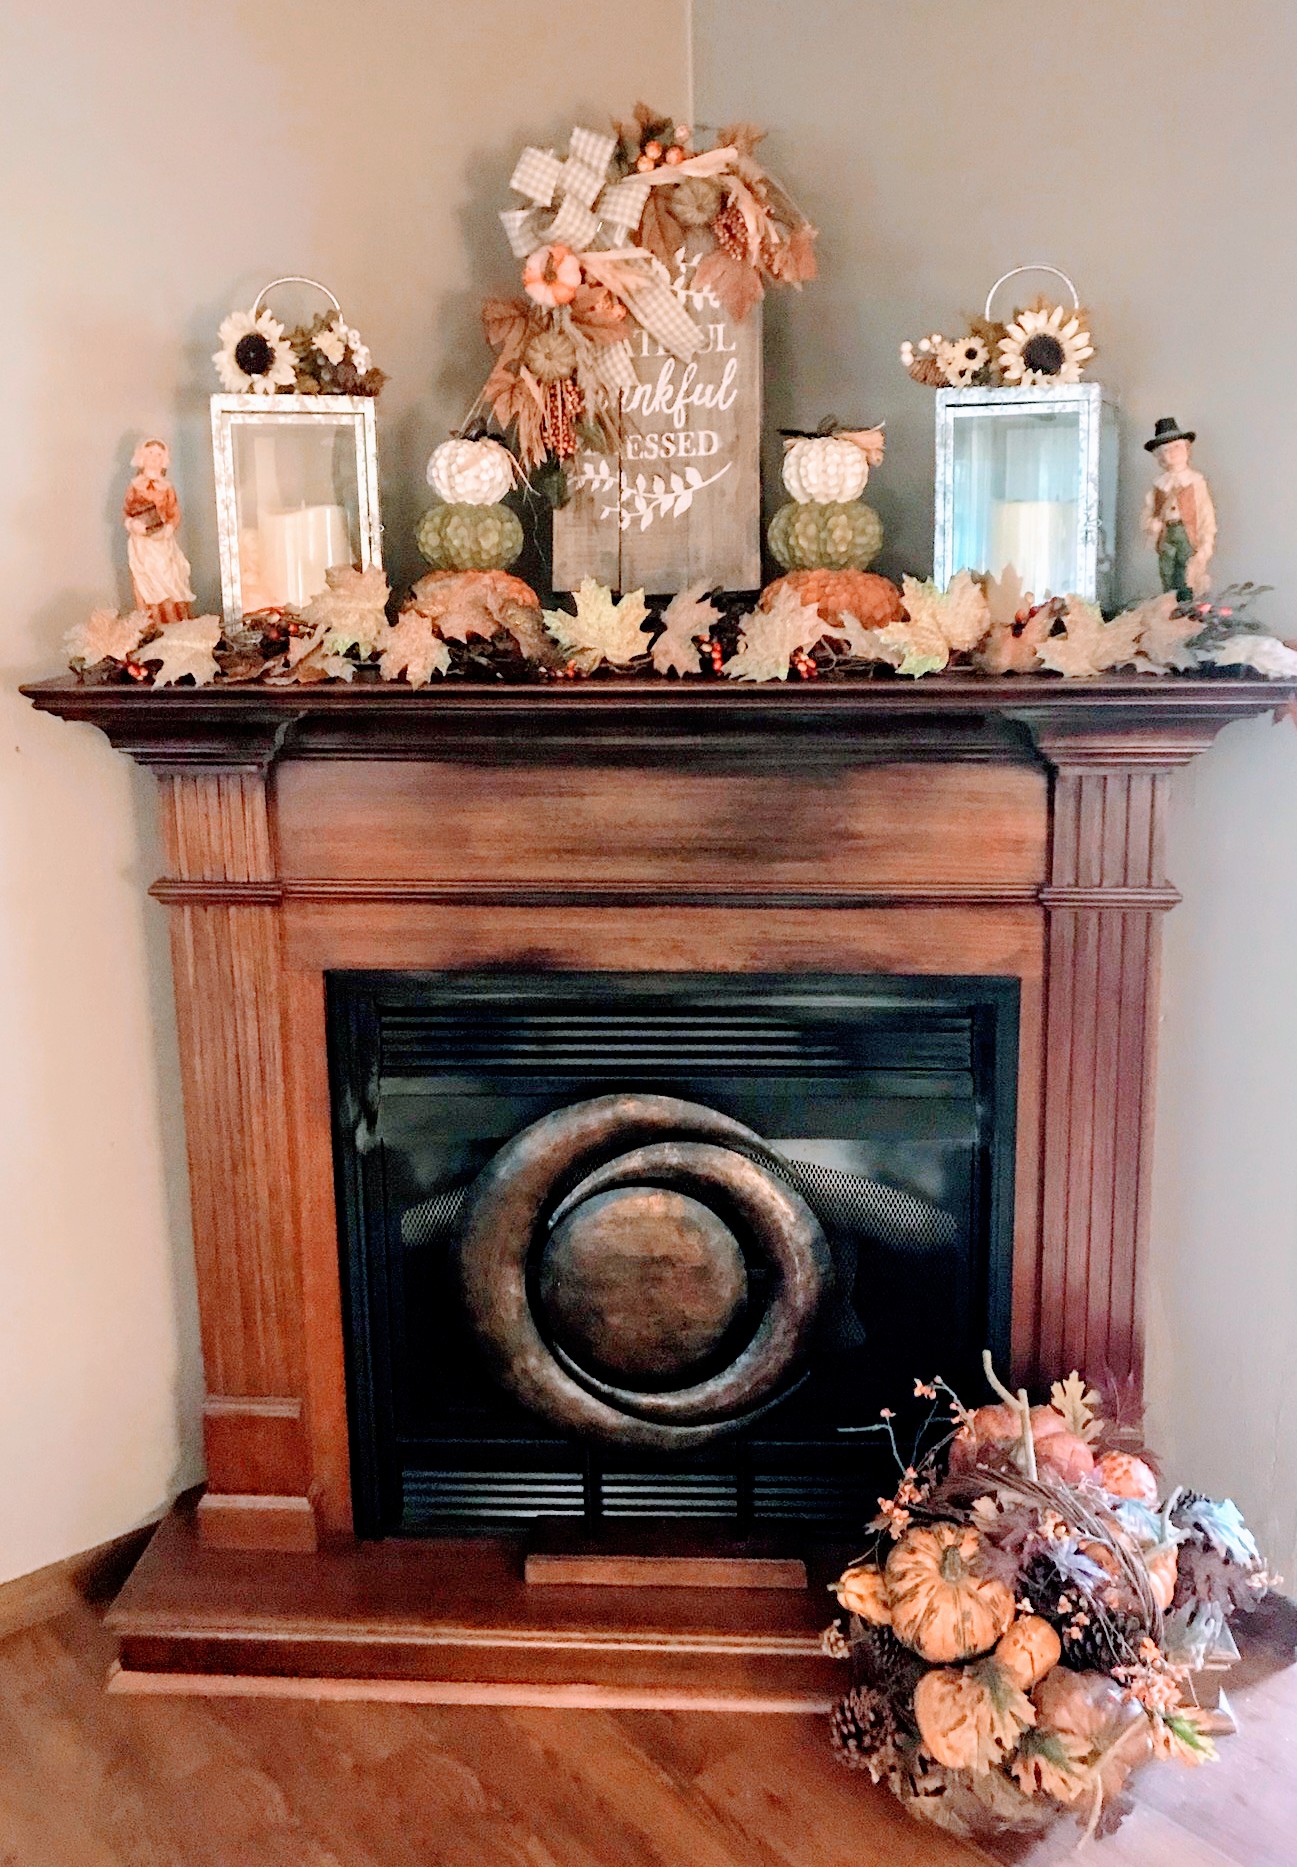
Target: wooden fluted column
{"x": 1106, "y": 892}
{"x": 230, "y": 1006}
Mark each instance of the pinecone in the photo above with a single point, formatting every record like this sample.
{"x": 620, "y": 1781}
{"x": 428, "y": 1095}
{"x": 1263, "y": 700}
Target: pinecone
{"x": 1105, "y": 1638}
{"x": 888, "y": 1667}
{"x": 731, "y": 231}
{"x": 863, "y": 1732}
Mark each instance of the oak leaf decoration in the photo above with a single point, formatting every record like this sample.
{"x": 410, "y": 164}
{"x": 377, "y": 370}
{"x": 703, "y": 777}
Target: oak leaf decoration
{"x": 1079, "y": 1405}
{"x": 106, "y": 636}
{"x": 771, "y": 637}
{"x": 185, "y": 649}
{"x": 687, "y": 617}
{"x": 603, "y": 628}
{"x": 414, "y": 649}
{"x": 1090, "y": 646}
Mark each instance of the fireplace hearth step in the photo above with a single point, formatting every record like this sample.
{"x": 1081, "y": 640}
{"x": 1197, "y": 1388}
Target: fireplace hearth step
{"x": 451, "y": 1620}
{"x": 563, "y": 1554}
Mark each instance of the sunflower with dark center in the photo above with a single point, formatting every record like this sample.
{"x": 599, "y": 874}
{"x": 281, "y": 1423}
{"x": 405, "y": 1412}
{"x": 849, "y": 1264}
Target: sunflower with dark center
{"x": 255, "y": 357}
{"x": 1044, "y": 344}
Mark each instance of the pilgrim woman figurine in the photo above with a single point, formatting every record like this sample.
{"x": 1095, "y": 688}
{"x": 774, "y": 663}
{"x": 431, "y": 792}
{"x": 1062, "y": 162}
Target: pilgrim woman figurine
{"x": 151, "y": 511}
{"x": 1179, "y": 517}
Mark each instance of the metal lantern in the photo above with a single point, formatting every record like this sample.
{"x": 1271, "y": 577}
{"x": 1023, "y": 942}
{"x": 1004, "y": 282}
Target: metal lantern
{"x": 296, "y": 493}
{"x": 1027, "y": 477}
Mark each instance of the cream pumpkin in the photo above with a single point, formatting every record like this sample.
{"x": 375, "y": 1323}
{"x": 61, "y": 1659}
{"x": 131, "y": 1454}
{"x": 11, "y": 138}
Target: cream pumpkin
{"x": 941, "y": 1606}
{"x": 471, "y": 473}
{"x": 824, "y": 469}
{"x": 1028, "y": 1651}
{"x": 862, "y": 1590}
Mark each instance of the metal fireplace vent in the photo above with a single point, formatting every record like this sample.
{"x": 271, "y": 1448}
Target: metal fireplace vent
{"x": 884, "y": 1110}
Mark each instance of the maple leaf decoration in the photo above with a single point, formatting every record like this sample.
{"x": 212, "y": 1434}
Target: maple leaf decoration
{"x": 352, "y": 611}
{"x": 106, "y": 636}
{"x": 1078, "y": 1404}
{"x": 414, "y": 649}
{"x": 938, "y": 624}
{"x": 771, "y": 637}
{"x": 1164, "y": 636}
{"x": 861, "y": 643}
{"x": 1091, "y": 646}
{"x": 1011, "y": 645}
{"x": 687, "y": 617}
{"x": 185, "y": 649}
{"x": 602, "y": 629}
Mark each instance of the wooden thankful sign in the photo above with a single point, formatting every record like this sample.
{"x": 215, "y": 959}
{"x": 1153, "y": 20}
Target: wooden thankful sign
{"x": 681, "y": 498}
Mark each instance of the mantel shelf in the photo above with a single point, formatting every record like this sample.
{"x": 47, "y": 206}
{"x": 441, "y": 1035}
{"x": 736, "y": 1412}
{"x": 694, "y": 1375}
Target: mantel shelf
{"x": 1162, "y": 719}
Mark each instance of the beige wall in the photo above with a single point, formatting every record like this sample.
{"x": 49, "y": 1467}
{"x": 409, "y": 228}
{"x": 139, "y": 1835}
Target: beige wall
{"x": 157, "y": 164}
{"x": 1151, "y": 150}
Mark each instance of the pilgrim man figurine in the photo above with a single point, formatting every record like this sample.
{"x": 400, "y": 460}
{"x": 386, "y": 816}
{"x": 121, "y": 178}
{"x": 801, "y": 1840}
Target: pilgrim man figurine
{"x": 1179, "y": 518}
{"x": 151, "y": 512}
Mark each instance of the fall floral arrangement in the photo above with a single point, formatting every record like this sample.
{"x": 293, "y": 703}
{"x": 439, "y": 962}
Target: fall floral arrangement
{"x": 621, "y": 240}
{"x": 258, "y": 355}
{"x": 1040, "y": 344}
{"x": 1027, "y": 1623}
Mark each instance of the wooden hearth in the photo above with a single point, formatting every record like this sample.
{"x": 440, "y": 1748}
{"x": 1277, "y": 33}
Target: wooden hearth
{"x": 954, "y": 826}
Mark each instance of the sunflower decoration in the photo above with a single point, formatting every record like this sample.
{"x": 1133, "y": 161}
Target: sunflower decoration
{"x": 965, "y": 362}
{"x": 327, "y": 356}
{"x": 255, "y": 357}
{"x": 1044, "y": 344}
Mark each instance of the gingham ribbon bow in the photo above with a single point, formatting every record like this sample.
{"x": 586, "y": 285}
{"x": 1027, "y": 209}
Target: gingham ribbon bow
{"x": 593, "y": 212}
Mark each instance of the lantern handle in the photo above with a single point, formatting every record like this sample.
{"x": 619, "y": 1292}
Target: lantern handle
{"x": 295, "y": 278}
{"x": 1013, "y": 273}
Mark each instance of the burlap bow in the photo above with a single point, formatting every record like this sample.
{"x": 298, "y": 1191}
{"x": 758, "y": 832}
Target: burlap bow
{"x": 593, "y": 214}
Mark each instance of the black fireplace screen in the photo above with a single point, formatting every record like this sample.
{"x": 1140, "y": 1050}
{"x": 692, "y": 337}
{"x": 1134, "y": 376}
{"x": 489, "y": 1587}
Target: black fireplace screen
{"x": 885, "y": 1106}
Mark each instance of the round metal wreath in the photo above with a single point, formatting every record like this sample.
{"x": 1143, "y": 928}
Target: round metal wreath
{"x": 611, "y": 1265}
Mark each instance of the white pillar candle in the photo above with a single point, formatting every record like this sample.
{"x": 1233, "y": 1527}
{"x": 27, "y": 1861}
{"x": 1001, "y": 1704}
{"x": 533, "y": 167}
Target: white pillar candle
{"x": 297, "y": 548}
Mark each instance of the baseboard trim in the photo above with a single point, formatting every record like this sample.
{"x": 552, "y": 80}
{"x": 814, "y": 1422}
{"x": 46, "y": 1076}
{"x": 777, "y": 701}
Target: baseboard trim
{"x": 93, "y": 1575}
{"x": 135, "y": 1682}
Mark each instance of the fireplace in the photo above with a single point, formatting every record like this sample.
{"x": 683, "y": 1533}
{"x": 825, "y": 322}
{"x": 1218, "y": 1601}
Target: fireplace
{"x": 887, "y": 1105}
{"x": 855, "y": 982}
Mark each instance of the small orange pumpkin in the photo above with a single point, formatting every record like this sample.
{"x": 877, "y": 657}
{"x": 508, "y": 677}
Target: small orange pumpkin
{"x": 1123, "y": 1475}
{"x": 1163, "y": 1565}
{"x": 941, "y": 1607}
{"x": 1028, "y": 1651}
{"x": 862, "y": 1590}
{"x": 552, "y": 276}
{"x": 871, "y": 599}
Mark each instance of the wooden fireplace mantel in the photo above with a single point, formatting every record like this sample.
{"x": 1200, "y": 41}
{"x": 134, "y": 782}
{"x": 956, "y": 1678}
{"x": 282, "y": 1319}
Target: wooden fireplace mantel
{"x": 957, "y": 825}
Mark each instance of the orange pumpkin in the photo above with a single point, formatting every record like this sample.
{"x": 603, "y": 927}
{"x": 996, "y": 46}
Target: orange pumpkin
{"x": 1028, "y": 1651}
{"x": 941, "y": 1607}
{"x": 552, "y": 276}
{"x": 1123, "y": 1475}
{"x": 1093, "y": 1709}
{"x": 1163, "y": 1565}
{"x": 871, "y": 599}
{"x": 970, "y": 1717}
{"x": 988, "y": 1426}
{"x": 862, "y": 1590}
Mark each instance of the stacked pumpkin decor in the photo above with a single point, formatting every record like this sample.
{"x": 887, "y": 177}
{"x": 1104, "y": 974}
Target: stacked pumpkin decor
{"x": 471, "y": 529}
{"x": 1032, "y": 1616}
{"x": 825, "y": 536}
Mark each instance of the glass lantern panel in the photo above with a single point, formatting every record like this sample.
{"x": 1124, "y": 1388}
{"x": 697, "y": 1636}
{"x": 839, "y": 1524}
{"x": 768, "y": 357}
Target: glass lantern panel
{"x": 298, "y": 506}
{"x": 1017, "y": 494}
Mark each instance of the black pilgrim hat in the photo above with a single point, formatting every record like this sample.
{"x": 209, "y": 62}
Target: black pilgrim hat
{"x": 1165, "y": 429}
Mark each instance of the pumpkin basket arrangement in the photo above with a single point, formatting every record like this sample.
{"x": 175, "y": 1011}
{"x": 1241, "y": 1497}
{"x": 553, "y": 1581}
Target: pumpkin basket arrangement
{"x": 1032, "y": 1615}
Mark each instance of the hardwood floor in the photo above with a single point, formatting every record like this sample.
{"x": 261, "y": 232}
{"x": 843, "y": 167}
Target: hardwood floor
{"x": 93, "y": 1781}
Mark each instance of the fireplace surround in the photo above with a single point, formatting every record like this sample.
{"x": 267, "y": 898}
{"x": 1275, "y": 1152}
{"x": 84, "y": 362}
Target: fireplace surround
{"x": 945, "y": 836}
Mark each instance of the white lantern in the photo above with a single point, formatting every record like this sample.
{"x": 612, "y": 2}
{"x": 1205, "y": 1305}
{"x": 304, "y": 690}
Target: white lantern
{"x": 1027, "y": 471}
{"x": 296, "y": 481}
{"x": 1028, "y": 478}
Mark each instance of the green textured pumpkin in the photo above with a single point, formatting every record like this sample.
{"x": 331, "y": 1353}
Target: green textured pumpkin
{"x": 825, "y": 537}
{"x": 469, "y": 537}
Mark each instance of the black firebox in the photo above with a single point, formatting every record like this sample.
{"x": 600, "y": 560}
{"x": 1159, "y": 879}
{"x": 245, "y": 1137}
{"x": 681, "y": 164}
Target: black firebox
{"x": 883, "y": 1105}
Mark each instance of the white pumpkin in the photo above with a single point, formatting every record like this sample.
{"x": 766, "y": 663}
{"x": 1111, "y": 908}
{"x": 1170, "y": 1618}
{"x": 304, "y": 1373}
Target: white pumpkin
{"x": 824, "y": 469}
{"x": 471, "y": 473}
